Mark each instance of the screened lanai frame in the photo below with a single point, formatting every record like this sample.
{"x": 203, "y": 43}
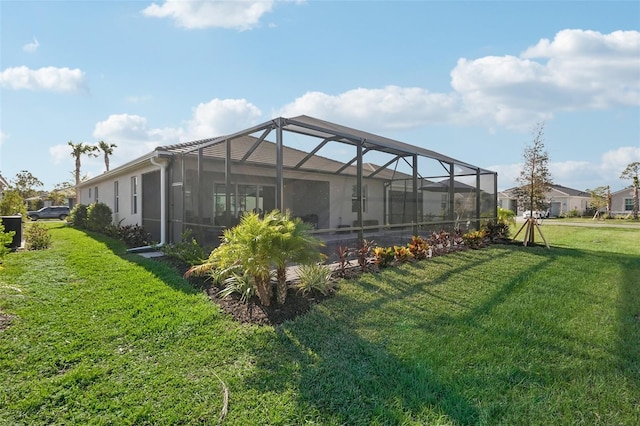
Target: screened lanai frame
{"x": 405, "y": 190}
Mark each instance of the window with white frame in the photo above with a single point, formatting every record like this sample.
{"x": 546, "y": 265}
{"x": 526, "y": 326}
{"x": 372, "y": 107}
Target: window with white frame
{"x": 96, "y": 193}
{"x": 134, "y": 194}
{"x": 628, "y": 204}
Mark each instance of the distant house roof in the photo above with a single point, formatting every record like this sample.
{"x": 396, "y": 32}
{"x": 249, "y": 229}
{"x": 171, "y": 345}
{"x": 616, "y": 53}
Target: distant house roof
{"x": 3, "y": 183}
{"x": 625, "y": 191}
{"x": 570, "y": 192}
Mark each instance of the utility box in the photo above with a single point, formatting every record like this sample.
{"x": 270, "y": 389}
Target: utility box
{"x": 13, "y": 223}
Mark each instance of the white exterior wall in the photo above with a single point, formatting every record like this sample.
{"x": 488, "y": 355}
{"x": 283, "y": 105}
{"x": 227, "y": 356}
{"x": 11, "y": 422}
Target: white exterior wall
{"x": 106, "y": 194}
{"x": 341, "y": 191}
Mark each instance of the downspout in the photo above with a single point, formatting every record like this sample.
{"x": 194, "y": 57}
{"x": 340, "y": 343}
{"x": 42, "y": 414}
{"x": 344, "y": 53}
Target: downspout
{"x": 163, "y": 198}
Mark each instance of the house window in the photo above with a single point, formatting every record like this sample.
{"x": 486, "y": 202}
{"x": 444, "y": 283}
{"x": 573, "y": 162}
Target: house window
{"x": 628, "y": 204}
{"x": 96, "y": 194}
{"x": 90, "y": 194}
{"x": 134, "y": 194}
{"x": 116, "y": 197}
{"x": 355, "y": 201}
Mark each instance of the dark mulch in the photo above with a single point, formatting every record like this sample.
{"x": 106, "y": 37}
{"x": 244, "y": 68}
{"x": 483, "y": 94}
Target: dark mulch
{"x": 251, "y": 312}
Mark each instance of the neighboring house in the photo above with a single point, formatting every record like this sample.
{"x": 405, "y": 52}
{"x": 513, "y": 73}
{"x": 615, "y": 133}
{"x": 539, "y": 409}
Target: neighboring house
{"x": 313, "y": 168}
{"x": 3, "y": 184}
{"x": 560, "y": 200}
{"x": 67, "y": 198}
{"x": 622, "y": 202}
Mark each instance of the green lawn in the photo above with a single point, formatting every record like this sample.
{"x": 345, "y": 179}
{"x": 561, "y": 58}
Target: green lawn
{"x": 503, "y": 335}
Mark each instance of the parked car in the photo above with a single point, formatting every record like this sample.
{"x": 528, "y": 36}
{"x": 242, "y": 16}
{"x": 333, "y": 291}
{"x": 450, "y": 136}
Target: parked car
{"x": 50, "y": 212}
{"x": 538, "y": 214}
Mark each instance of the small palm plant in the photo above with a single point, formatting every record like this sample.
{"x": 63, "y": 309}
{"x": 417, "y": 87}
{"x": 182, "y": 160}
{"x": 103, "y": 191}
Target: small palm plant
{"x": 316, "y": 277}
{"x": 256, "y": 246}
{"x": 246, "y": 250}
{"x": 292, "y": 243}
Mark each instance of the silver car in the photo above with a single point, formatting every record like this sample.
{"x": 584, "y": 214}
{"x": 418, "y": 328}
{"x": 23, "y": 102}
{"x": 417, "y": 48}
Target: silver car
{"x": 51, "y": 212}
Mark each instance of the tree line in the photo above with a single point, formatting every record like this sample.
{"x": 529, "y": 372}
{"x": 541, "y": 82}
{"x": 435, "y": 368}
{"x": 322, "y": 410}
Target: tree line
{"x": 25, "y": 185}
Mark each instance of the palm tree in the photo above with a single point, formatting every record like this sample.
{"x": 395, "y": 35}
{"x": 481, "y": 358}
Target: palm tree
{"x": 292, "y": 243}
{"x": 244, "y": 250}
{"x": 255, "y": 246}
{"x": 107, "y": 150}
{"x": 77, "y": 149}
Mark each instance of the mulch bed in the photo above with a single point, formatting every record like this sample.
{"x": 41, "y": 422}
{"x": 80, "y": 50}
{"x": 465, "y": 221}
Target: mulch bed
{"x": 251, "y": 312}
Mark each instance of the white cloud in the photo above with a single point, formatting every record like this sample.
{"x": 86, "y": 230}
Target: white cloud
{"x": 47, "y": 78}
{"x": 31, "y": 47}
{"x": 59, "y": 153}
{"x": 240, "y": 15}
{"x": 3, "y": 137}
{"x": 221, "y": 116}
{"x": 389, "y": 107}
{"x": 584, "y": 70}
{"x": 615, "y": 161}
{"x": 134, "y": 136}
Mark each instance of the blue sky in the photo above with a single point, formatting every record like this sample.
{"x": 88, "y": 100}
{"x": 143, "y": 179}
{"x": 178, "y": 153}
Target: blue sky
{"x": 467, "y": 79}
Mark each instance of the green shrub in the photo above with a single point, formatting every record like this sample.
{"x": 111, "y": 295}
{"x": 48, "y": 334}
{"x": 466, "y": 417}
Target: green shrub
{"x": 134, "y": 236}
{"x": 418, "y": 247}
{"x": 240, "y": 285}
{"x": 37, "y": 237}
{"x": 402, "y": 254}
{"x": 6, "y": 238}
{"x": 573, "y": 213}
{"x": 315, "y": 277}
{"x": 474, "y": 239}
{"x": 384, "y": 256}
{"x": 506, "y": 216}
{"x": 187, "y": 250}
{"x": 78, "y": 216}
{"x": 11, "y": 204}
{"x": 98, "y": 217}
{"x": 258, "y": 244}
{"x": 497, "y": 230}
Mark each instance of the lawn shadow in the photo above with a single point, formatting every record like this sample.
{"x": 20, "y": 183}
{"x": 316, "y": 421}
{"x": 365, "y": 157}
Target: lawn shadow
{"x": 343, "y": 378}
{"x": 628, "y": 317}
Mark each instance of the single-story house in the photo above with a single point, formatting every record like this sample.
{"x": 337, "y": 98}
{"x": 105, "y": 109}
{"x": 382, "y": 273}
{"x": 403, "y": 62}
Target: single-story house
{"x": 560, "y": 199}
{"x": 622, "y": 202}
{"x": 337, "y": 178}
{"x": 3, "y": 184}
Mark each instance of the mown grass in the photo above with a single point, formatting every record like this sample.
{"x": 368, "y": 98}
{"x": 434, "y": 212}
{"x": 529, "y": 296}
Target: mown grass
{"x": 504, "y": 335}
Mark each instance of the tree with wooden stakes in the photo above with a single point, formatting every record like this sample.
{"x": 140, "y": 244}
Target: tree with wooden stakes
{"x": 600, "y": 198}
{"x": 534, "y": 183}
